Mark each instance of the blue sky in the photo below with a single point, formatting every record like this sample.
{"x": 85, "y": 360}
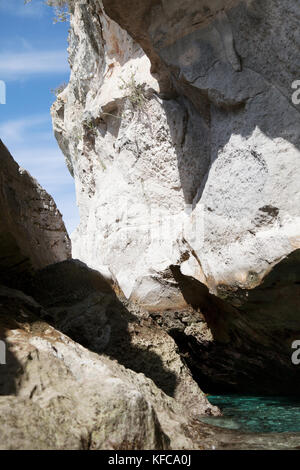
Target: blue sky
{"x": 33, "y": 61}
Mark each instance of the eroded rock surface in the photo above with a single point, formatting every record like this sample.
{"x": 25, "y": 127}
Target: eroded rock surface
{"x": 213, "y": 157}
{"x": 117, "y": 381}
{"x": 243, "y": 342}
{"x": 181, "y": 133}
{"x": 80, "y": 303}
{"x": 56, "y": 394}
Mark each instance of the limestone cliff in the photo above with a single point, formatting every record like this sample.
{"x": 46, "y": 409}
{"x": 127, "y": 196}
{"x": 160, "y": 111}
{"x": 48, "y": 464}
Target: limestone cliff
{"x": 179, "y": 127}
{"x": 117, "y": 381}
{"x": 192, "y": 121}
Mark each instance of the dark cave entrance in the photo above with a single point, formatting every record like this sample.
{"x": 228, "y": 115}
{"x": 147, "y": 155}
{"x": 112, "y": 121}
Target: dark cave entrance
{"x": 250, "y": 349}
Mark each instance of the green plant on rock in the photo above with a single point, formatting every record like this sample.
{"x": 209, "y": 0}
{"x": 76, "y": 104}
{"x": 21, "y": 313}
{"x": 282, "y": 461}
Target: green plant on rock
{"x": 59, "y": 89}
{"x": 135, "y": 92}
{"x": 91, "y": 127}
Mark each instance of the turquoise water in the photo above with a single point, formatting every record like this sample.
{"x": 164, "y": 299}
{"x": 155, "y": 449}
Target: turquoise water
{"x": 256, "y": 414}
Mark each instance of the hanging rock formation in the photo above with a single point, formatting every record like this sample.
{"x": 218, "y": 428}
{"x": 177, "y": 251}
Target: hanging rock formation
{"x": 181, "y": 132}
{"x": 196, "y": 131}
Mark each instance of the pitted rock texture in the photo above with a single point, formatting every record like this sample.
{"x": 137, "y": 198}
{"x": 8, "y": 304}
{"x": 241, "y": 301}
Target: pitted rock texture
{"x": 32, "y": 232}
{"x": 129, "y": 390}
{"x": 80, "y": 303}
{"x": 181, "y": 133}
{"x": 204, "y": 173}
{"x": 56, "y": 394}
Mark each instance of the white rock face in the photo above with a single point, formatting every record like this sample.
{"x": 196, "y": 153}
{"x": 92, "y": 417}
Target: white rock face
{"x": 202, "y": 174}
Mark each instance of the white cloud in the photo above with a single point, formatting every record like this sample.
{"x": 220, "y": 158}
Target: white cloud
{"x": 31, "y": 142}
{"x": 47, "y": 165}
{"x": 14, "y": 66}
{"x": 15, "y": 130}
{"x": 17, "y": 7}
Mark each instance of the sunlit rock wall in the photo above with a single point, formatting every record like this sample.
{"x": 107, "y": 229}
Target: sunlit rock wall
{"x": 183, "y": 138}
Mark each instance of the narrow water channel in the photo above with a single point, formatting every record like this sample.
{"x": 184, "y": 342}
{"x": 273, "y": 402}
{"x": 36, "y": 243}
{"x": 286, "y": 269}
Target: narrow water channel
{"x": 256, "y": 414}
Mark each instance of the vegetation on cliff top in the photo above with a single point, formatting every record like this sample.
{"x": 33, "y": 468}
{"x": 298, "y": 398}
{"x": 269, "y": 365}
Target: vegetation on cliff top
{"x": 61, "y": 9}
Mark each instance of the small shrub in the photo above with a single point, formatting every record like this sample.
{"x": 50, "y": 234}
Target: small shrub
{"x": 61, "y": 8}
{"x": 136, "y": 94}
{"x": 91, "y": 127}
{"x": 56, "y": 91}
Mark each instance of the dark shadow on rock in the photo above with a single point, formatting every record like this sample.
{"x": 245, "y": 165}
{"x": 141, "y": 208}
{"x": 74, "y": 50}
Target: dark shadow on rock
{"x": 251, "y": 346}
{"x": 82, "y": 305}
{"x": 8, "y": 370}
{"x": 16, "y": 311}
{"x": 233, "y": 77}
{"x": 190, "y": 135}
{"x": 13, "y": 264}
{"x": 216, "y": 98}
{"x": 224, "y": 58}
{"x": 207, "y": 128}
